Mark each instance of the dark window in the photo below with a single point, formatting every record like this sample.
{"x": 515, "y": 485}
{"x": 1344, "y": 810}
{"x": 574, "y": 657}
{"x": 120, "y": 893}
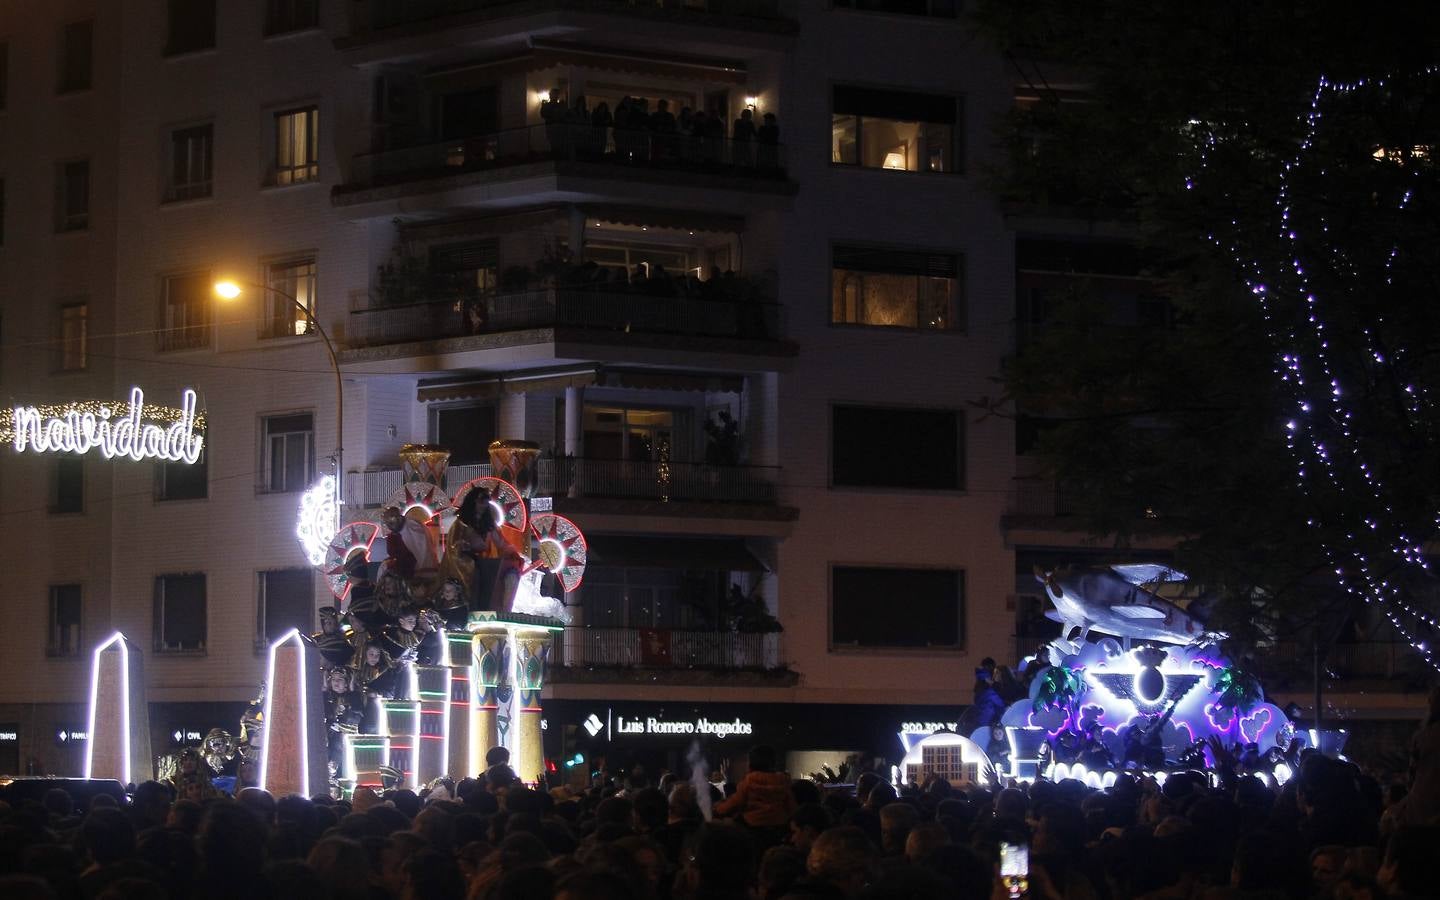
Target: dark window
{"x": 4, "y": 73}
{"x": 895, "y": 447}
{"x": 466, "y": 430}
{"x": 290, "y": 15}
{"x": 74, "y": 336}
{"x": 191, "y": 170}
{"x": 192, "y": 26}
{"x": 2, "y": 211}
{"x": 896, "y": 288}
{"x": 469, "y": 113}
{"x": 898, "y": 130}
{"x": 185, "y": 312}
{"x": 297, "y": 146}
{"x": 72, "y": 200}
{"x": 288, "y": 447}
{"x": 183, "y": 481}
{"x": 293, "y": 278}
{"x": 76, "y": 55}
{"x": 64, "y": 637}
{"x": 67, "y": 493}
{"x": 643, "y": 597}
{"x": 180, "y": 613}
{"x": 287, "y": 600}
{"x": 902, "y": 608}
{"x": 940, "y": 9}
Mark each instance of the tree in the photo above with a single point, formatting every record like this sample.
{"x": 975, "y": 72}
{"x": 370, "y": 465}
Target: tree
{"x": 1185, "y": 128}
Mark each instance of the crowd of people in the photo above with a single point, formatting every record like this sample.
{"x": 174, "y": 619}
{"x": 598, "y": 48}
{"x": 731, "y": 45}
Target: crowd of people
{"x": 1330, "y": 832}
{"x": 633, "y": 131}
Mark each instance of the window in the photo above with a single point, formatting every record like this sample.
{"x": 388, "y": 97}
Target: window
{"x": 192, "y": 26}
{"x": 297, "y": 146}
{"x": 183, "y": 481}
{"x": 290, "y": 15}
{"x": 2, "y": 212}
{"x": 292, "y": 278}
{"x": 638, "y": 435}
{"x": 288, "y": 445}
{"x": 185, "y": 312}
{"x": 466, "y": 430}
{"x": 76, "y": 56}
{"x": 67, "y": 485}
{"x": 191, "y": 163}
{"x": 897, "y": 608}
{"x": 180, "y": 613}
{"x": 74, "y": 336}
{"x": 287, "y": 600}
{"x": 896, "y": 289}
{"x": 923, "y": 448}
{"x": 474, "y": 265}
{"x": 899, "y": 130}
{"x": 642, "y": 597}
{"x": 4, "y": 73}
{"x": 72, "y": 196}
{"x": 64, "y": 635}
{"x": 940, "y": 9}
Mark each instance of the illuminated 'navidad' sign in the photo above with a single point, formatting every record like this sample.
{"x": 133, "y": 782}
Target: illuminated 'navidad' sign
{"x": 135, "y": 432}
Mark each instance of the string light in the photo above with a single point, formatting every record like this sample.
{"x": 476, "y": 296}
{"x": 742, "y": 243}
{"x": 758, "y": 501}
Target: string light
{"x": 1322, "y": 438}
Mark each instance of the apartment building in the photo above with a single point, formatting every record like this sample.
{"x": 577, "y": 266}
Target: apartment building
{"x": 752, "y": 359}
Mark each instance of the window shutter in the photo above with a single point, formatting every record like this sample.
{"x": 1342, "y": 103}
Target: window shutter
{"x": 897, "y": 262}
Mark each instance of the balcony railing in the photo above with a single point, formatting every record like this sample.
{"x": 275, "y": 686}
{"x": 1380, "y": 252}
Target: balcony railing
{"x": 188, "y": 337}
{"x": 575, "y": 142}
{"x": 604, "y": 478}
{"x": 389, "y": 13}
{"x": 655, "y": 648}
{"x": 567, "y": 308}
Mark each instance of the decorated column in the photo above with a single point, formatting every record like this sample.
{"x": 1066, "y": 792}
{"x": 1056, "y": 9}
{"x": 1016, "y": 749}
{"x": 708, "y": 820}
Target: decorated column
{"x": 294, "y": 757}
{"x": 119, "y": 725}
{"x": 490, "y": 651}
{"x": 532, "y": 648}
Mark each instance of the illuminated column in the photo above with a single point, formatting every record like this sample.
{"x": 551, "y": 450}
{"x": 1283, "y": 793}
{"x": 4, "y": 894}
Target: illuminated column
{"x": 432, "y": 747}
{"x": 527, "y": 755}
{"x": 425, "y": 463}
{"x": 118, "y": 729}
{"x": 294, "y": 757}
{"x": 489, "y": 650}
{"x": 459, "y": 760}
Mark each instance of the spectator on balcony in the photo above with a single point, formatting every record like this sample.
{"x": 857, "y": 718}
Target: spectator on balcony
{"x": 743, "y": 135}
{"x": 600, "y": 122}
{"x": 768, "y": 137}
{"x": 662, "y": 125}
{"x": 553, "y": 112}
{"x": 685, "y": 127}
{"x": 577, "y": 126}
{"x": 714, "y": 132}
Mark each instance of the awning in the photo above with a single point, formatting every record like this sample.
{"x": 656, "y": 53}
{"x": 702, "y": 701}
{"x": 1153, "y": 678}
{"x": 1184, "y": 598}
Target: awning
{"x": 547, "y": 55}
{"x": 703, "y": 554}
{"x": 490, "y": 387}
{"x": 660, "y": 380}
{"x": 663, "y": 218}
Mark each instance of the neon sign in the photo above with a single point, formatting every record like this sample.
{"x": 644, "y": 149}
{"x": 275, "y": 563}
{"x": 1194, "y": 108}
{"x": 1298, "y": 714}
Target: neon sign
{"x": 135, "y": 431}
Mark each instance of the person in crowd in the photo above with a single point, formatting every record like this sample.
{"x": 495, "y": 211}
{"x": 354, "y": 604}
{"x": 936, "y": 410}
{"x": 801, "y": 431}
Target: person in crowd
{"x": 763, "y": 801}
{"x": 742, "y": 135}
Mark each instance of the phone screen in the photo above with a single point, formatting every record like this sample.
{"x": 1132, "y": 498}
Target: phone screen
{"x": 1015, "y": 868}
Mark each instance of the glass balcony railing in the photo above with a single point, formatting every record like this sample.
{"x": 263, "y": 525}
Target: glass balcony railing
{"x": 585, "y": 646}
{"x": 382, "y": 14}
{"x": 581, "y": 308}
{"x": 616, "y": 479}
{"x": 633, "y": 149}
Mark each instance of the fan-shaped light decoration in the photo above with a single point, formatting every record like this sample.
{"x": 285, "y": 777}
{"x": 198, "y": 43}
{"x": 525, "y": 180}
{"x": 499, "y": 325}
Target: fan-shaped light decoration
{"x": 350, "y": 538}
{"x": 505, "y": 500}
{"x": 419, "y": 495}
{"x": 559, "y": 547}
{"x": 318, "y": 519}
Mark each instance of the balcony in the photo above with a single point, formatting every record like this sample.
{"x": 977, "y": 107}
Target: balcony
{"x": 376, "y": 20}
{"x": 645, "y": 655}
{"x": 578, "y": 151}
{"x": 185, "y": 337}
{"x": 605, "y": 479}
{"x": 575, "y": 309}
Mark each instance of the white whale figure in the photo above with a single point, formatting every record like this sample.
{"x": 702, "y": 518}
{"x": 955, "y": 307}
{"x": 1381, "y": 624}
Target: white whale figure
{"x": 1122, "y": 600}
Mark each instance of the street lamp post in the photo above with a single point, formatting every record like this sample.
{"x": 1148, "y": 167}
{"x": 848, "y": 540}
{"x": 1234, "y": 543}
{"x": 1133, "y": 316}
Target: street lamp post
{"x": 229, "y": 290}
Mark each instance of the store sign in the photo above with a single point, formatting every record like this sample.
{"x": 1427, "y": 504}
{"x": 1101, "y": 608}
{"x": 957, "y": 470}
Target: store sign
{"x": 701, "y": 725}
{"x": 133, "y": 431}
{"x": 9, "y": 733}
{"x": 187, "y": 735}
{"x": 926, "y": 727}
{"x": 66, "y": 736}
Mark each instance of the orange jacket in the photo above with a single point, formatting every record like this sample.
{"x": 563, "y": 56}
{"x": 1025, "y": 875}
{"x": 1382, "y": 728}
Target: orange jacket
{"x": 763, "y": 800}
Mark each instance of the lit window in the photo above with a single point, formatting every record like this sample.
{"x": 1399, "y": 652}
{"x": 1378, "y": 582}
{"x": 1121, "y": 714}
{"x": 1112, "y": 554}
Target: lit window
{"x": 297, "y": 151}
{"x": 191, "y": 163}
{"x": 64, "y": 634}
{"x": 288, "y": 446}
{"x": 185, "y": 312}
{"x": 292, "y": 278}
{"x": 896, "y": 288}
{"x": 180, "y": 614}
{"x": 74, "y": 336}
{"x": 899, "y": 130}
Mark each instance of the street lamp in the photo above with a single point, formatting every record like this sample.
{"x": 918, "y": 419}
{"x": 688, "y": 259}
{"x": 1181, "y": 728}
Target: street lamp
{"x": 229, "y": 290}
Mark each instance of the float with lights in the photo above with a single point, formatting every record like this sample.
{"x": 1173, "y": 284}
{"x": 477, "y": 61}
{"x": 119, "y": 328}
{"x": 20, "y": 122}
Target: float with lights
{"x": 1149, "y": 696}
